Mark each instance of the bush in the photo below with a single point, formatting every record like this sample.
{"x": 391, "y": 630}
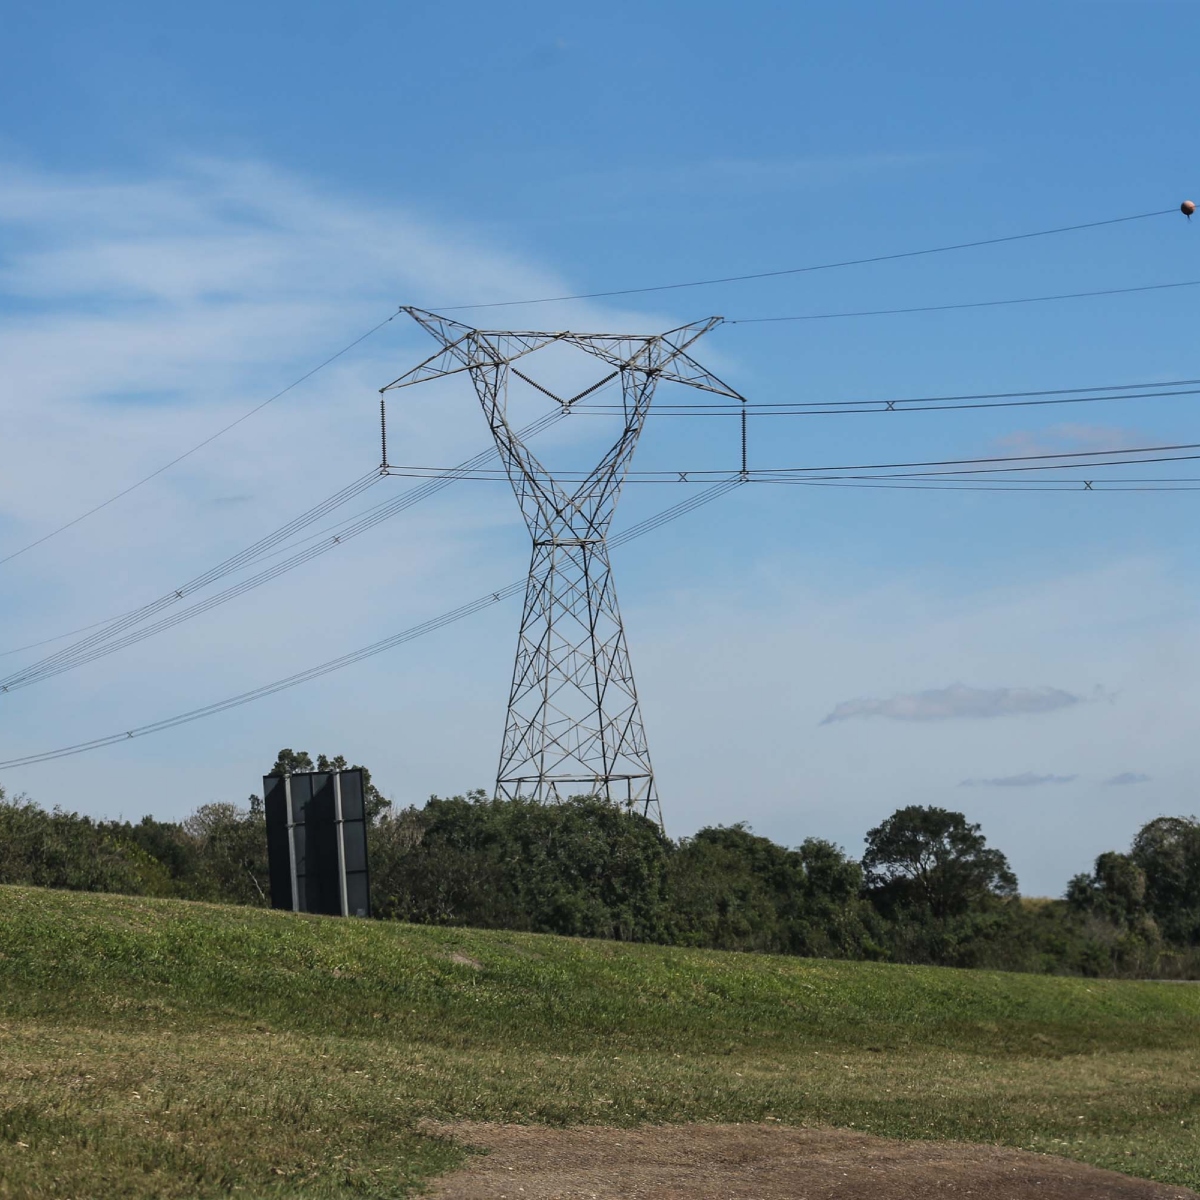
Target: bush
{"x": 65, "y": 850}
{"x": 584, "y": 868}
{"x": 733, "y": 890}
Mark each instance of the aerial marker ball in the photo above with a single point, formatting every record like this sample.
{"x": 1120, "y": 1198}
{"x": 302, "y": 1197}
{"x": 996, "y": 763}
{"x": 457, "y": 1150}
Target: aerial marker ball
{"x": 1187, "y": 208}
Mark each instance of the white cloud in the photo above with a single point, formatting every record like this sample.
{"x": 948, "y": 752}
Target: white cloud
{"x": 958, "y": 700}
{"x": 143, "y": 314}
{"x": 1071, "y": 437}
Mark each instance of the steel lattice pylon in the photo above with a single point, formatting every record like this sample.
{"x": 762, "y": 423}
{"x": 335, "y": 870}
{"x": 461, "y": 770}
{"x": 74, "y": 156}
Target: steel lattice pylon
{"x": 574, "y": 724}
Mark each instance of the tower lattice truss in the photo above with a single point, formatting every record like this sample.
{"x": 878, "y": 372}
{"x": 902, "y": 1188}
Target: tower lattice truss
{"x": 574, "y": 724}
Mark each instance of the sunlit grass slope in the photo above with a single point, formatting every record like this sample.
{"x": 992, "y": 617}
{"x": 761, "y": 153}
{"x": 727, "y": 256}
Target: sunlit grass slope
{"x": 157, "y": 1048}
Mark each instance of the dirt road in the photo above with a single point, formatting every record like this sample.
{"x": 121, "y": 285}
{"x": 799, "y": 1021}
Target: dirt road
{"x": 762, "y": 1162}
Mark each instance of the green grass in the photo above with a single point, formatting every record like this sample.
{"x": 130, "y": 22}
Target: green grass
{"x": 158, "y": 1048}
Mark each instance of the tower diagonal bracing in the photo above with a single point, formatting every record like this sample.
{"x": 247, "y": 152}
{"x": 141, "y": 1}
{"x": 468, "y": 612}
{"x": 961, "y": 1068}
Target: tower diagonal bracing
{"x": 574, "y": 724}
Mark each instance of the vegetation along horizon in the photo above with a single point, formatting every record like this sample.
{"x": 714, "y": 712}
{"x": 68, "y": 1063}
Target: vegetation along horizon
{"x": 570, "y": 963}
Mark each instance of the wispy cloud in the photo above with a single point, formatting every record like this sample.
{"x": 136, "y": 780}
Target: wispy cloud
{"x": 1070, "y": 438}
{"x": 958, "y": 700}
{"x": 1027, "y": 779}
{"x": 142, "y": 314}
{"x": 1127, "y": 777}
{"x": 187, "y": 297}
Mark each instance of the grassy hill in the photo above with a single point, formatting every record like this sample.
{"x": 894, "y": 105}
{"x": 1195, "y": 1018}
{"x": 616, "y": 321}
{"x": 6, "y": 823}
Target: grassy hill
{"x": 159, "y": 1048}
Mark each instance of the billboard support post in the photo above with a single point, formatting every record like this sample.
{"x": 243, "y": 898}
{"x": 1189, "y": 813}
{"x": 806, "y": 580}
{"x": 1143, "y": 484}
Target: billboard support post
{"x": 291, "y": 831}
{"x": 317, "y": 842}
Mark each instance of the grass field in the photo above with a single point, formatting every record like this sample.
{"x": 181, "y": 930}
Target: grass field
{"x": 153, "y": 1048}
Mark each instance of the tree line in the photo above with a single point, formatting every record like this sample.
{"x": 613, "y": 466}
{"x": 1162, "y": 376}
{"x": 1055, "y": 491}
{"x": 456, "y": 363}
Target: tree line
{"x": 927, "y": 888}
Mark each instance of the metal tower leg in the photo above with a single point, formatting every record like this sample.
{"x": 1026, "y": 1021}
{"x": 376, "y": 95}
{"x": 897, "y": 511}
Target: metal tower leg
{"x": 573, "y": 724}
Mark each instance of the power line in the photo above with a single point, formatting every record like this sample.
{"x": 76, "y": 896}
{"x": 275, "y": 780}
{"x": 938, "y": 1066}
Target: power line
{"x": 263, "y": 549}
{"x": 979, "y": 474}
{"x": 836, "y": 409}
{"x": 830, "y": 266}
{"x": 243, "y": 558}
{"x": 926, "y": 308}
{"x": 947, "y": 403}
{"x": 1048, "y": 461}
{"x": 101, "y": 644}
{"x": 254, "y": 556}
{"x": 355, "y": 656}
{"x": 848, "y": 412}
{"x": 199, "y": 445}
{"x": 472, "y": 607}
{"x": 58, "y": 637}
{"x": 1063, "y": 466}
{"x": 638, "y": 290}
{"x": 1015, "y": 487}
{"x": 106, "y": 642}
{"x": 628, "y": 292}
{"x": 1100, "y": 387}
{"x": 1010, "y": 458}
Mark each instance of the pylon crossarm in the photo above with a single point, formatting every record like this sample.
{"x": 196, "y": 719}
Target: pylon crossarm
{"x": 472, "y": 346}
{"x": 647, "y": 354}
{"x": 682, "y": 336}
{"x": 509, "y": 347}
{"x": 684, "y": 369}
{"x": 436, "y": 366}
{"x": 444, "y": 329}
{"x": 677, "y": 367}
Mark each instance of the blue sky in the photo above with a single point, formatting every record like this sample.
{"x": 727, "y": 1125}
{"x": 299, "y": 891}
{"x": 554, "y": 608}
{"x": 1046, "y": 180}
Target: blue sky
{"x": 198, "y": 205}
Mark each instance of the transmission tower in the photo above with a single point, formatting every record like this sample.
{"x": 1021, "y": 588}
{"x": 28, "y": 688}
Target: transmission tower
{"x": 574, "y": 724}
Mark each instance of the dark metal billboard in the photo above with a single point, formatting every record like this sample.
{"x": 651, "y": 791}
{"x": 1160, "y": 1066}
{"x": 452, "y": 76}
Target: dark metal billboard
{"x": 317, "y": 842}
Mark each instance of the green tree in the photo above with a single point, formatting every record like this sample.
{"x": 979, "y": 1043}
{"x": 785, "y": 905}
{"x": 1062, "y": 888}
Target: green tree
{"x": 933, "y": 860}
{"x": 66, "y": 850}
{"x": 168, "y": 844}
{"x": 1167, "y": 850}
{"x": 1118, "y": 935}
{"x": 293, "y": 762}
{"x": 231, "y": 845}
{"x": 584, "y": 867}
{"x": 734, "y": 890}
{"x": 1116, "y": 889}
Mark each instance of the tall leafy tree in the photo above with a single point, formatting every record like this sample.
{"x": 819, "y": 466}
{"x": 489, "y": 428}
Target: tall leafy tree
{"x": 1115, "y": 890}
{"x": 1167, "y": 850}
{"x": 734, "y": 890}
{"x": 932, "y": 859}
{"x": 232, "y": 848}
{"x": 292, "y": 762}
